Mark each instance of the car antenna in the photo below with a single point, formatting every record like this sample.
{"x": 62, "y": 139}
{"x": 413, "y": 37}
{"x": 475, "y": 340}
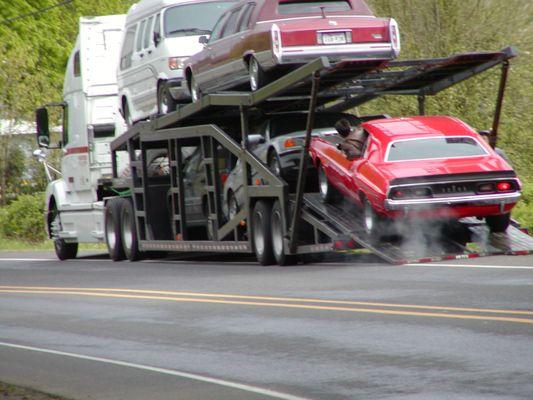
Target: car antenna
{"x": 323, "y": 9}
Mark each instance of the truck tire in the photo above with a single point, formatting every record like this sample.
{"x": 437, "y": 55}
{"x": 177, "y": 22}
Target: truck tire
{"x": 276, "y": 224}
{"x": 498, "y": 223}
{"x": 262, "y": 233}
{"x": 130, "y": 242}
{"x": 113, "y": 231}
{"x": 64, "y": 251}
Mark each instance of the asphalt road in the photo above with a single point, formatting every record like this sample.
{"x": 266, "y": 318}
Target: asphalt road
{"x": 200, "y": 329}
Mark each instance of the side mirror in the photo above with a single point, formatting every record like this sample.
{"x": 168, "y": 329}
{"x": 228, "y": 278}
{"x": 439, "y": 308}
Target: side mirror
{"x": 256, "y": 139}
{"x": 203, "y": 39}
{"x": 43, "y": 130}
{"x": 157, "y": 38}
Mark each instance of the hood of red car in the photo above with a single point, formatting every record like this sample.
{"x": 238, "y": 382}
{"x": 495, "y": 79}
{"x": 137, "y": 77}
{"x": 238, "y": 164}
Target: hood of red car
{"x": 421, "y": 168}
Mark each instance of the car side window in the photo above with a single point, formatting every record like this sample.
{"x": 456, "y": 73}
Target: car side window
{"x": 217, "y": 30}
{"x": 138, "y": 45}
{"x": 127, "y": 48}
{"x": 246, "y": 17}
{"x": 157, "y": 28}
{"x": 231, "y": 25}
{"x": 147, "y": 33}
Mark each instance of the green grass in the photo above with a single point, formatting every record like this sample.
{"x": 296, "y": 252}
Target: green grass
{"x": 20, "y": 245}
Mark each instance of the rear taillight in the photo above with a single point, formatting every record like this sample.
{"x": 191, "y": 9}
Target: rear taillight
{"x": 394, "y": 37}
{"x": 493, "y": 187}
{"x": 410, "y": 193}
{"x": 276, "y": 41}
{"x": 504, "y": 186}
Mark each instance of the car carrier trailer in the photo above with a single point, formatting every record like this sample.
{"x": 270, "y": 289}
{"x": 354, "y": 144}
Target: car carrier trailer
{"x": 279, "y": 225}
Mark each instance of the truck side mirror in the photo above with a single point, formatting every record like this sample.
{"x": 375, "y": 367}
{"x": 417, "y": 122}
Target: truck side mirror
{"x": 203, "y": 39}
{"x": 43, "y": 130}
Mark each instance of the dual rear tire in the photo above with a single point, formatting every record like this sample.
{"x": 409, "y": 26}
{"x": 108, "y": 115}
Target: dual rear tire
{"x": 121, "y": 230}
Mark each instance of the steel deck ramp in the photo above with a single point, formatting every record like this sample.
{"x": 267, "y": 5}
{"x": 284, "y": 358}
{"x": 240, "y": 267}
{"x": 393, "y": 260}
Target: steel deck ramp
{"x": 429, "y": 246}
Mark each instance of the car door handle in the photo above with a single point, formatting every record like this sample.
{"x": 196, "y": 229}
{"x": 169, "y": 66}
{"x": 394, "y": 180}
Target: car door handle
{"x": 141, "y": 55}
{"x": 149, "y": 51}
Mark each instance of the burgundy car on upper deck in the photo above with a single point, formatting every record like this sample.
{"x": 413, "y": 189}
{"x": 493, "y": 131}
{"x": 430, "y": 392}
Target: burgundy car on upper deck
{"x": 255, "y": 36}
{"x": 426, "y": 167}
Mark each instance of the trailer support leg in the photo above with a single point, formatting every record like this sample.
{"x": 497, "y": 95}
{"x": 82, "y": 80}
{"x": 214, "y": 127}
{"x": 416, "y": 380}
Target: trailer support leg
{"x": 421, "y": 104}
{"x": 304, "y": 162}
{"x": 493, "y": 138}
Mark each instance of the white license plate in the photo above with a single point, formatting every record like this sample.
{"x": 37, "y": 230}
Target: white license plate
{"x": 334, "y": 38}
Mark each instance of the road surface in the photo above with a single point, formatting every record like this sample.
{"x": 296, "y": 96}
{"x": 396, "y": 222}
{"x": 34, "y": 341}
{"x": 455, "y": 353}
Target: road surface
{"x": 203, "y": 329}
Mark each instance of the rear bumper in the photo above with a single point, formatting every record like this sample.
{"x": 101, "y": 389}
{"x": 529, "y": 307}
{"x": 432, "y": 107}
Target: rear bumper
{"x": 297, "y": 54}
{"x": 477, "y": 200}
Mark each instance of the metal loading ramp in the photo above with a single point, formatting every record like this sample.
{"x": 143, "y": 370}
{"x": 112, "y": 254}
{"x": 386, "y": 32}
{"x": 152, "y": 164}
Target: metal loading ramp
{"x": 469, "y": 239}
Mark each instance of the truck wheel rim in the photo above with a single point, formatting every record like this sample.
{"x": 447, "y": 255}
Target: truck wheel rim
{"x": 277, "y": 234}
{"x": 259, "y": 238}
{"x": 127, "y": 229}
{"x": 254, "y": 72}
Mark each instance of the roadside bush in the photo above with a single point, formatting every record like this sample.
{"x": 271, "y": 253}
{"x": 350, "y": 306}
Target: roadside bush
{"x": 23, "y": 219}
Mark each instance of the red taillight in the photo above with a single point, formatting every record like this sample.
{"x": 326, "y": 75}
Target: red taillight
{"x": 397, "y": 194}
{"x": 276, "y": 41}
{"x": 504, "y": 186}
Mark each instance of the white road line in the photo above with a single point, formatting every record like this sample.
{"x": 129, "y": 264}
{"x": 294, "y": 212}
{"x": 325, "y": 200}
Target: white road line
{"x": 220, "y": 382}
{"x": 470, "y": 266}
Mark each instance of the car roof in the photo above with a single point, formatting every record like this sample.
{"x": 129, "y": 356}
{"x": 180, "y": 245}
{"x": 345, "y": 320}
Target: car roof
{"x": 147, "y": 7}
{"x": 388, "y": 130}
{"x": 270, "y": 9}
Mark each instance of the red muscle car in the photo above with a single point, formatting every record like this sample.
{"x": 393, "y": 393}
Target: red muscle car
{"x": 255, "y": 37}
{"x": 424, "y": 167}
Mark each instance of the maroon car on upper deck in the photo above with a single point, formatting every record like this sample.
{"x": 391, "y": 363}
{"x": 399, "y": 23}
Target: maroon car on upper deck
{"x": 426, "y": 167}
{"x": 255, "y": 36}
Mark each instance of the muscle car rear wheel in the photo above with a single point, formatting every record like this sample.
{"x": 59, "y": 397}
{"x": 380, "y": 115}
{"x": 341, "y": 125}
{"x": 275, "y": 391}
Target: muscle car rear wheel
{"x": 276, "y": 220}
{"x": 498, "y": 223}
{"x": 372, "y": 222}
{"x": 257, "y": 75}
{"x": 262, "y": 233}
{"x": 327, "y": 192}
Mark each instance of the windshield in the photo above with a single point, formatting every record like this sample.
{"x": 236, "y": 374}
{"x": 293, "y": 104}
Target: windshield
{"x": 294, "y": 123}
{"x": 434, "y": 148}
{"x": 194, "y": 19}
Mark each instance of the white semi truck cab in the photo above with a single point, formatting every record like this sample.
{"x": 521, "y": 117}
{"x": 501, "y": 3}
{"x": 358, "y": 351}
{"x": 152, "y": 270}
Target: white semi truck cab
{"x": 90, "y": 121}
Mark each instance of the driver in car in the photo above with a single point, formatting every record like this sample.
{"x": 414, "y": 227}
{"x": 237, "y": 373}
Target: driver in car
{"x": 354, "y": 139}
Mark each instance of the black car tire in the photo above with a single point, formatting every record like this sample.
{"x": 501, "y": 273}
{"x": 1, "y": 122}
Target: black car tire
{"x": 113, "y": 229}
{"x": 129, "y": 240}
{"x": 498, "y": 223}
{"x": 375, "y": 226}
{"x": 196, "y": 93}
{"x": 64, "y": 251}
{"x": 262, "y": 233}
{"x": 274, "y": 164}
{"x": 256, "y": 74}
{"x": 276, "y": 223}
{"x": 165, "y": 101}
{"x": 127, "y": 115}
{"x": 328, "y": 193}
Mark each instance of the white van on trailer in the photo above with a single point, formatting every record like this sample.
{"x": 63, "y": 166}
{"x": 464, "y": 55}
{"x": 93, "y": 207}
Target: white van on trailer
{"x": 159, "y": 36}
{"x": 74, "y": 205}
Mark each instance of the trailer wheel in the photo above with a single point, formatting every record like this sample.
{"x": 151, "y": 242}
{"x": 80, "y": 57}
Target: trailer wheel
{"x": 262, "y": 233}
{"x": 257, "y": 75}
{"x": 328, "y": 193}
{"x": 165, "y": 101}
{"x": 129, "y": 231}
{"x": 113, "y": 231}
{"x": 64, "y": 251}
{"x": 498, "y": 223}
{"x": 276, "y": 223}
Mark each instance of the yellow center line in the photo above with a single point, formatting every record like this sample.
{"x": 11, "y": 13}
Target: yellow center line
{"x": 270, "y": 298}
{"x": 280, "y": 305}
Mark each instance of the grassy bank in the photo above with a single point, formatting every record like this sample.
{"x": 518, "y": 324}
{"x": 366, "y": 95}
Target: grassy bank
{"x": 12, "y": 392}
{"x": 20, "y": 245}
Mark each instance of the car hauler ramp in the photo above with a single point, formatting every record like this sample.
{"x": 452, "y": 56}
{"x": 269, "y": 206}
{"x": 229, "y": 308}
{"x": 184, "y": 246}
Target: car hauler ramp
{"x": 207, "y": 123}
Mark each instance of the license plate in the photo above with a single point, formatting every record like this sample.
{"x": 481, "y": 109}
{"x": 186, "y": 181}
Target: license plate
{"x": 334, "y": 38}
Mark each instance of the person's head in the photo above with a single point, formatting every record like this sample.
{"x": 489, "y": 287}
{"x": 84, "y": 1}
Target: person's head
{"x": 344, "y": 127}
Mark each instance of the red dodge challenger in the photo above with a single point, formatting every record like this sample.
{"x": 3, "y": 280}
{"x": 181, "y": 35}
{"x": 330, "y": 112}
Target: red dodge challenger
{"x": 423, "y": 167}
{"x": 255, "y": 37}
